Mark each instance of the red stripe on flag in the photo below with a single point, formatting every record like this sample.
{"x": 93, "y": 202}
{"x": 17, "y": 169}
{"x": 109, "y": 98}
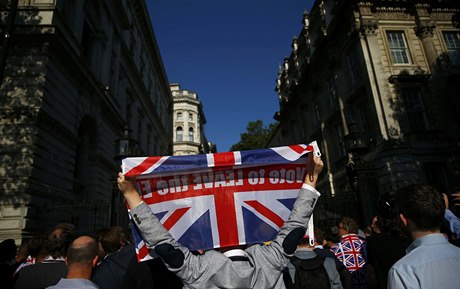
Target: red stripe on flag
{"x": 174, "y": 218}
{"x": 224, "y": 159}
{"x": 299, "y": 149}
{"x": 266, "y": 212}
{"x": 142, "y": 253}
{"x": 142, "y": 167}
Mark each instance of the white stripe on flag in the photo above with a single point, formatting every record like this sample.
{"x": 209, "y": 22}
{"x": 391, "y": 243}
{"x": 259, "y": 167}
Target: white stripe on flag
{"x": 237, "y": 156}
{"x": 156, "y": 165}
{"x": 288, "y": 153}
{"x": 210, "y": 158}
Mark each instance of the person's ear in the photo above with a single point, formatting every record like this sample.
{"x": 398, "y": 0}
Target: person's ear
{"x": 94, "y": 261}
{"x": 403, "y": 219}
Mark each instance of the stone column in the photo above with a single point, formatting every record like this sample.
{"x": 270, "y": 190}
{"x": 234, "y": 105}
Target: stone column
{"x": 424, "y": 31}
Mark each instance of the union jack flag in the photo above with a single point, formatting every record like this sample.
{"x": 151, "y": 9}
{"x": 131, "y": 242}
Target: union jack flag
{"x": 221, "y": 199}
{"x": 350, "y": 251}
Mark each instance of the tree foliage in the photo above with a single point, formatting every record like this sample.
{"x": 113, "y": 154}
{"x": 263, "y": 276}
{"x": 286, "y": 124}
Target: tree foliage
{"x": 255, "y": 137}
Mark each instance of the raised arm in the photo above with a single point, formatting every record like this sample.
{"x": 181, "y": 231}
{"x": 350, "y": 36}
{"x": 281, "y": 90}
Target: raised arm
{"x": 152, "y": 230}
{"x": 156, "y": 236}
{"x": 128, "y": 189}
{"x": 294, "y": 228}
{"x": 285, "y": 242}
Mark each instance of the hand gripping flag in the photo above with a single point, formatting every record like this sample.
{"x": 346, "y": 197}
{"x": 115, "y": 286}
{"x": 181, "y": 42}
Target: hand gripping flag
{"x": 221, "y": 199}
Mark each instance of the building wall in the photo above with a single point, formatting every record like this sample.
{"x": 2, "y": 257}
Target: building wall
{"x": 389, "y": 123}
{"x": 77, "y": 72}
{"x": 189, "y": 121}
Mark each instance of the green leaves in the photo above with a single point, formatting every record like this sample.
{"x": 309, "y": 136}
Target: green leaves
{"x": 255, "y": 137}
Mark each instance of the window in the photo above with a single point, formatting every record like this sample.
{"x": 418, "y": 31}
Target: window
{"x": 453, "y": 46}
{"x": 190, "y": 117}
{"x": 362, "y": 118}
{"x": 179, "y": 134}
{"x": 179, "y": 116}
{"x": 190, "y": 134}
{"x": 398, "y": 47}
{"x": 415, "y": 110}
{"x": 353, "y": 65}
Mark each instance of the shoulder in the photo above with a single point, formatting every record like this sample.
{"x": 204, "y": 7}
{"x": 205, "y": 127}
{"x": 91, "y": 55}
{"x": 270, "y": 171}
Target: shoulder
{"x": 399, "y": 276}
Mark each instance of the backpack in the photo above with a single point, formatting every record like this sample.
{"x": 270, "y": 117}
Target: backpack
{"x": 309, "y": 274}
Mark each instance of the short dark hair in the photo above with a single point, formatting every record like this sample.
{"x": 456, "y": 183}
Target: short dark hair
{"x": 82, "y": 254}
{"x": 422, "y": 204}
{"x": 111, "y": 238}
{"x": 319, "y": 236}
{"x": 349, "y": 225}
{"x": 36, "y": 245}
{"x": 388, "y": 217}
{"x": 59, "y": 240}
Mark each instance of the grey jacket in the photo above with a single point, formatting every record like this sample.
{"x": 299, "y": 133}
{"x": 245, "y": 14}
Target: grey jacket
{"x": 214, "y": 270}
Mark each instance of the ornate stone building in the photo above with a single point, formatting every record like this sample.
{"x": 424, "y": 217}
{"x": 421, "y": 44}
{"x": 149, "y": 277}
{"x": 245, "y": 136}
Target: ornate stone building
{"x": 376, "y": 83}
{"x": 189, "y": 121}
{"x": 76, "y": 74}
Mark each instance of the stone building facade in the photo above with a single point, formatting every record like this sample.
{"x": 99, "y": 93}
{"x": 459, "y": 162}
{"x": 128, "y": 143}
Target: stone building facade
{"x": 189, "y": 121}
{"x": 376, "y": 83}
{"x": 76, "y": 74}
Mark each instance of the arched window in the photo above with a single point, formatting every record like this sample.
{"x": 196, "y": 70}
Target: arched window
{"x": 190, "y": 134}
{"x": 179, "y": 134}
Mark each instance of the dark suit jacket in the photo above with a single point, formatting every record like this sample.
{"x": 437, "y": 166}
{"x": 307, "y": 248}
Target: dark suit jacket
{"x": 109, "y": 274}
{"x": 40, "y": 275}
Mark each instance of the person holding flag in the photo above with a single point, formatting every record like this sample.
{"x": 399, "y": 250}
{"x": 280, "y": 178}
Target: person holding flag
{"x": 258, "y": 266}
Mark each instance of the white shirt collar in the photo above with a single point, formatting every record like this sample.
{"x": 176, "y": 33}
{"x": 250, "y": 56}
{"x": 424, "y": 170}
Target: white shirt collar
{"x": 235, "y": 252}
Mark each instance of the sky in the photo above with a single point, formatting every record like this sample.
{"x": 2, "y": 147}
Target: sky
{"x": 228, "y": 52}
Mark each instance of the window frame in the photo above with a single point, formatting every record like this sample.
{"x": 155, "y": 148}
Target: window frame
{"x": 412, "y": 113}
{"x": 405, "y": 48}
{"x": 191, "y": 134}
{"x": 179, "y": 134}
{"x": 456, "y": 49}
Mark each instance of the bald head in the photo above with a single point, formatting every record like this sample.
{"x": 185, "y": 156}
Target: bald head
{"x": 82, "y": 251}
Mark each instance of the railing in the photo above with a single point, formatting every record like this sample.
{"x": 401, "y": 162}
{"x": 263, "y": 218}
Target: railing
{"x": 87, "y": 216}
{"x": 359, "y": 205}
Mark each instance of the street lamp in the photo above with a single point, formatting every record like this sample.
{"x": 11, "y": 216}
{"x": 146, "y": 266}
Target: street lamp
{"x": 356, "y": 143}
{"x": 126, "y": 146}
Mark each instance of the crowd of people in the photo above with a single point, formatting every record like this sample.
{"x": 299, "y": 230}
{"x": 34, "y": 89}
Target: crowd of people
{"x": 412, "y": 242}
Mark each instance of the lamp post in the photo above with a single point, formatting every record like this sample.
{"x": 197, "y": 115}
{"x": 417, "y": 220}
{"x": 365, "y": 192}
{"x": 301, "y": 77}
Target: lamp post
{"x": 125, "y": 147}
{"x": 356, "y": 144}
